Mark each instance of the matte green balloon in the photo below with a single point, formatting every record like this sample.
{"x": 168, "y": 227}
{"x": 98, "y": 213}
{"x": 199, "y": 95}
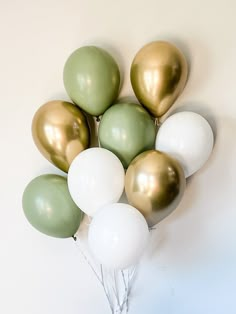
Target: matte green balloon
{"x": 92, "y": 79}
{"x": 49, "y": 207}
{"x": 127, "y": 129}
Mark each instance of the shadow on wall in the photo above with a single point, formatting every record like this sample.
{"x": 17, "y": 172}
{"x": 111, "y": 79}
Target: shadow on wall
{"x": 201, "y": 109}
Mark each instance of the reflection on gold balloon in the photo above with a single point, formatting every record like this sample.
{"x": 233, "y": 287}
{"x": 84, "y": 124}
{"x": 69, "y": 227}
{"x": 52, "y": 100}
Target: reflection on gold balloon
{"x": 60, "y": 131}
{"x": 154, "y": 184}
{"x": 158, "y": 75}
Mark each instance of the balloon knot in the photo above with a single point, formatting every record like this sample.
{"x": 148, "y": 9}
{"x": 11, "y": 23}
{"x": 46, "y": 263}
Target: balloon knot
{"x": 157, "y": 122}
{"x": 98, "y": 119}
{"x": 74, "y": 238}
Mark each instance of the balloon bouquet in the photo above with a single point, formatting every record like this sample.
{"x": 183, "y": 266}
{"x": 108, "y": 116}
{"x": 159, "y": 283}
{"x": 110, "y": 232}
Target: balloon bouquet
{"x": 156, "y": 165}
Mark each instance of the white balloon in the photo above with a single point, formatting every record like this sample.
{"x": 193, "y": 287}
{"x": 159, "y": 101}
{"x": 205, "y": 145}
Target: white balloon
{"x": 118, "y": 236}
{"x": 95, "y": 178}
{"x": 188, "y": 137}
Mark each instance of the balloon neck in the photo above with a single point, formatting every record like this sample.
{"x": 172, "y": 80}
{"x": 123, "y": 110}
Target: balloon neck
{"x": 157, "y": 122}
{"x": 98, "y": 119}
{"x": 151, "y": 229}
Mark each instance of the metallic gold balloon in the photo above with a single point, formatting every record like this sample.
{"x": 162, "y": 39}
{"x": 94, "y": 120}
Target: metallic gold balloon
{"x": 60, "y": 131}
{"x": 158, "y": 75}
{"x": 154, "y": 184}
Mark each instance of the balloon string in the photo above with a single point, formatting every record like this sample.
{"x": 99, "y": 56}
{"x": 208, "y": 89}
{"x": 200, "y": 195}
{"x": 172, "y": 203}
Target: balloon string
{"x": 124, "y": 281}
{"x": 95, "y": 273}
{"x": 126, "y": 290}
{"x": 115, "y": 288}
{"x": 128, "y": 283}
{"x": 127, "y": 294}
{"x": 112, "y": 284}
{"x": 86, "y": 259}
{"x": 106, "y": 291}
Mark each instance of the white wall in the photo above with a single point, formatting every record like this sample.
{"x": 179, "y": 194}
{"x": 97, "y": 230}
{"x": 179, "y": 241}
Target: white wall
{"x": 190, "y": 266}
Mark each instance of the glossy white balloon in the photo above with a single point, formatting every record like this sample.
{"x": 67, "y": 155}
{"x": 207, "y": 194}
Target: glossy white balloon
{"x": 118, "y": 236}
{"x": 188, "y": 137}
{"x": 95, "y": 178}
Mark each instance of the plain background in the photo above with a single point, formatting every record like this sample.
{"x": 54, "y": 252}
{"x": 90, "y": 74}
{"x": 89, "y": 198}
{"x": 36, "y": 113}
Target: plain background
{"x": 189, "y": 267}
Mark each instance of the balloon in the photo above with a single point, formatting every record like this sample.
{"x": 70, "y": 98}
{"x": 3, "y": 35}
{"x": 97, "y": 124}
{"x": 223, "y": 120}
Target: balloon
{"x": 127, "y": 130}
{"x": 92, "y": 79}
{"x": 154, "y": 184}
{"x": 118, "y": 236}
{"x": 49, "y": 208}
{"x": 60, "y": 132}
{"x": 188, "y": 137}
{"x": 158, "y": 75}
{"x": 95, "y": 178}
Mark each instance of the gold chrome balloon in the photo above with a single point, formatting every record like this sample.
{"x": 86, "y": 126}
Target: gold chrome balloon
{"x": 60, "y": 131}
{"x": 158, "y": 75}
{"x": 154, "y": 184}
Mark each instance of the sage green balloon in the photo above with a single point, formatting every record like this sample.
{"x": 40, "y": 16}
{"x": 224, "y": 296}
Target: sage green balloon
{"x": 92, "y": 79}
{"x": 49, "y": 207}
{"x": 127, "y": 130}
